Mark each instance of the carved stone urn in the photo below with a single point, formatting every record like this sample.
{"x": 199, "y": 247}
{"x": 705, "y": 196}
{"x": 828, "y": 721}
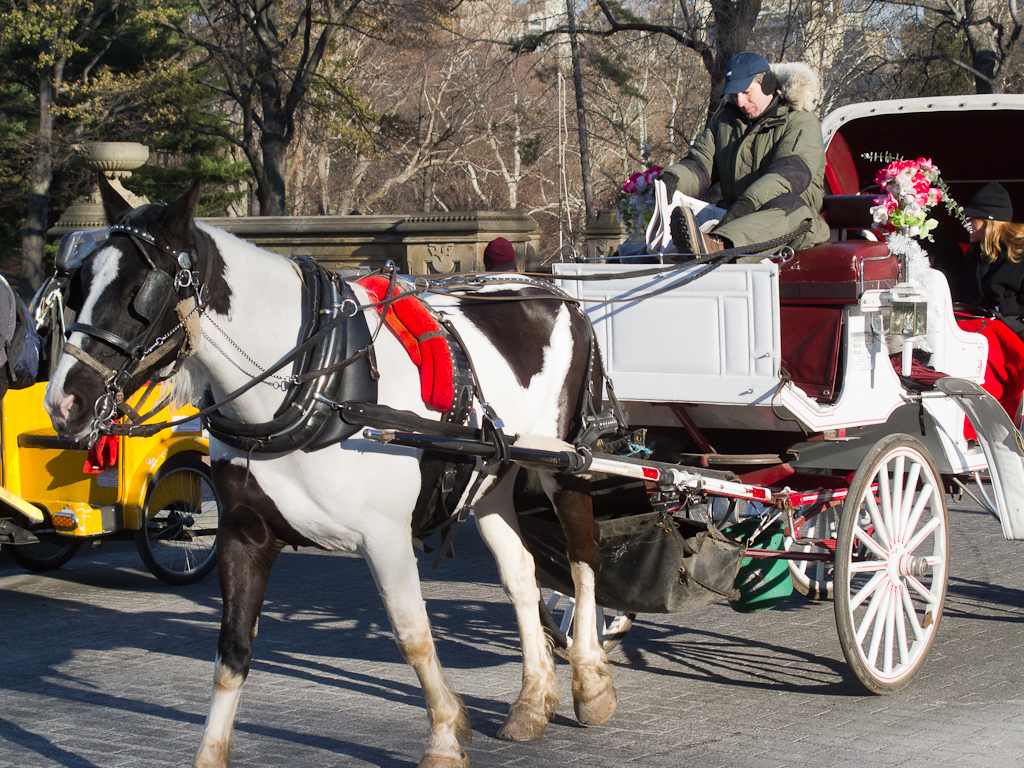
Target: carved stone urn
{"x": 116, "y": 160}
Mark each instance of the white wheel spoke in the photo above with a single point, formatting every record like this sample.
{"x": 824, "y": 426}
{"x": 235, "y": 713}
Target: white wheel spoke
{"x": 868, "y": 566}
{"x": 885, "y": 494}
{"x": 890, "y": 619}
{"x": 866, "y": 590}
{"x": 915, "y": 516}
{"x": 924, "y": 533}
{"x": 911, "y": 612}
{"x": 908, "y": 500}
{"x": 901, "y": 626}
{"x": 877, "y": 521}
{"x": 922, "y": 590}
{"x": 869, "y": 615}
{"x": 859, "y": 534}
{"x": 878, "y": 625}
{"x": 896, "y": 498}
{"x": 567, "y": 617}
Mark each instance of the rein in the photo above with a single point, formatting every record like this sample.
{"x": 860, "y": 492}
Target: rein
{"x": 112, "y": 401}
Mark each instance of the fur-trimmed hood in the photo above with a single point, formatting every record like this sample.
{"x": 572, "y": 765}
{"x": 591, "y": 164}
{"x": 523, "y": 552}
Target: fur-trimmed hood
{"x": 798, "y": 85}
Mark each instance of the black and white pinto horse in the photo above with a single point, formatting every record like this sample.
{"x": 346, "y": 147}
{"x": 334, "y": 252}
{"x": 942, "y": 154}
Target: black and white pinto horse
{"x": 357, "y": 495}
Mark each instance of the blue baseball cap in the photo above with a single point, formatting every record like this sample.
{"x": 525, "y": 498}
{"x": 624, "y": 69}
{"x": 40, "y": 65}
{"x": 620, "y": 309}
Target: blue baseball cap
{"x": 740, "y": 71}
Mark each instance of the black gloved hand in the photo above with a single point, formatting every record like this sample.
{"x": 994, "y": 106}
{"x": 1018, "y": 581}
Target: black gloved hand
{"x": 671, "y": 181}
{"x": 740, "y": 208}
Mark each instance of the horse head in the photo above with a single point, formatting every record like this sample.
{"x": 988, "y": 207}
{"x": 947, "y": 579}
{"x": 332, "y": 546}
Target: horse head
{"x": 129, "y": 296}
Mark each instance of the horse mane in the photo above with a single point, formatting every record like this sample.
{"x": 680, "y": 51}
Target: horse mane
{"x": 188, "y": 384}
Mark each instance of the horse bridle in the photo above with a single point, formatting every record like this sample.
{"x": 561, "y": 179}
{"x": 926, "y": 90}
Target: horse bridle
{"x": 158, "y": 294}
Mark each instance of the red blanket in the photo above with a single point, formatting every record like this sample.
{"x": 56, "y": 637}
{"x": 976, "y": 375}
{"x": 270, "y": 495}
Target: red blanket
{"x": 1004, "y": 372}
{"x": 422, "y": 338}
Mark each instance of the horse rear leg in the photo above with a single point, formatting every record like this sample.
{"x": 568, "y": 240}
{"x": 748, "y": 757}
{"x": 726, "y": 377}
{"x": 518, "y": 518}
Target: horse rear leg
{"x": 393, "y": 565}
{"x": 244, "y": 558}
{"x": 538, "y": 697}
{"x": 593, "y": 693}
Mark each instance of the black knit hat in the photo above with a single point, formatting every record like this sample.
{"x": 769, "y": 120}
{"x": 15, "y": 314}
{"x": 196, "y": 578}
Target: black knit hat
{"x": 990, "y": 202}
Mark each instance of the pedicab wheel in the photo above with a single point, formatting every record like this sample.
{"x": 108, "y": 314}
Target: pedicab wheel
{"x": 814, "y": 579}
{"x": 178, "y": 542}
{"x": 558, "y": 612}
{"x": 892, "y": 557}
{"x": 47, "y": 554}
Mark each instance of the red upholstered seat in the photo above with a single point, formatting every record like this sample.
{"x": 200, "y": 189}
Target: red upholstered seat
{"x": 813, "y": 287}
{"x": 840, "y": 171}
{"x": 837, "y": 273}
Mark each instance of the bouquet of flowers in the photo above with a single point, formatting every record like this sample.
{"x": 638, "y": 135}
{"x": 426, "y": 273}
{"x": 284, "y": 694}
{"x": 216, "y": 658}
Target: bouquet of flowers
{"x": 636, "y": 203}
{"x": 911, "y": 188}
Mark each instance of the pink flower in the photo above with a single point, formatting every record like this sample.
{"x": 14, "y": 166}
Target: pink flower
{"x": 630, "y": 186}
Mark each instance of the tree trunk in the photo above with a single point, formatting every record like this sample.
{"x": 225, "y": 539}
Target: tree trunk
{"x": 734, "y": 23}
{"x": 270, "y": 189}
{"x": 581, "y": 113}
{"x": 984, "y": 46}
{"x": 33, "y": 236}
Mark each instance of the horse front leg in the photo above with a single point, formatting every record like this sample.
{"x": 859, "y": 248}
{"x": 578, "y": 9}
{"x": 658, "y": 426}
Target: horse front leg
{"x": 244, "y": 559}
{"x": 594, "y": 697}
{"x": 393, "y": 565}
{"x": 538, "y": 698}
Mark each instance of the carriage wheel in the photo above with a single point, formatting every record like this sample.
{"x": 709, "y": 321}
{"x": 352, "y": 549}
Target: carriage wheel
{"x": 47, "y": 554}
{"x": 557, "y": 614}
{"x": 178, "y": 542}
{"x": 892, "y": 558}
{"x": 812, "y": 578}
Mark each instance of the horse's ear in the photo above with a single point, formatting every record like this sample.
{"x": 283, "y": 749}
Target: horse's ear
{"x": 177, "y": 217}
{"x": 115, "y": 206}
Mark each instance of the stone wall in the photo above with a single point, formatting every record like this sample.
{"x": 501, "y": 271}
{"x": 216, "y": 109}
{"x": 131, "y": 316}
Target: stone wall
{"x": 419, "y": 244}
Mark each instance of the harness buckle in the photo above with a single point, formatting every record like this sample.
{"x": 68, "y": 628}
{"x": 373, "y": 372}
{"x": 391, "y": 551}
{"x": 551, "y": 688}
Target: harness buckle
{"x": 184, "y": 279}
{"x": 348, "y": 308}
{"x": 105, "y": 407}
{"x": 491, "y": 415}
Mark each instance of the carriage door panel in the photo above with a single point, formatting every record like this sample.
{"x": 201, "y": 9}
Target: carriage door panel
{"x": 713, "y": 340}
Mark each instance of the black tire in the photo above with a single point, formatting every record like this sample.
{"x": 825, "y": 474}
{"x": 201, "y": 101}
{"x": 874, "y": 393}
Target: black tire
{"x": 814, "y": 579}
{"x": 178, "y": 542}
{"x": 610, "y": 629}
{"x": 892, "y": 562}
{"x": 49, "y": 554}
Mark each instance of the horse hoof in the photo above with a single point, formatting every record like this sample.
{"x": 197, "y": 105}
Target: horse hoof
{"x": 443, "y": 761}
{"x": 523, "y": 724}
{"x": 597, "y": 709}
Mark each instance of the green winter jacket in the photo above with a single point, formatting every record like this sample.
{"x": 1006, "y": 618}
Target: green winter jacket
{"x": 776, "y": 163}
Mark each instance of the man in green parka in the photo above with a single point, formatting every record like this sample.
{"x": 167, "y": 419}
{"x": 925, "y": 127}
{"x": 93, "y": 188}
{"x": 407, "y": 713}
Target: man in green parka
{"x": 764, "y": 148}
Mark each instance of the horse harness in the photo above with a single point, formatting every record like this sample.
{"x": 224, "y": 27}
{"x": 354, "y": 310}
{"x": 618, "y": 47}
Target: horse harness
{"x": 335, "y": 395}
{"x": 159, "y": 291}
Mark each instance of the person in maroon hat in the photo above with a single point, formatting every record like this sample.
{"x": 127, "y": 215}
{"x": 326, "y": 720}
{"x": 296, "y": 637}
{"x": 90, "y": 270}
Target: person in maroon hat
{"x": 500, "y": 256}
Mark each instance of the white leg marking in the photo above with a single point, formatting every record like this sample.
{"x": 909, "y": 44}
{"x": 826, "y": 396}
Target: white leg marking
{"x": 538, "y": 697}
{"x": 215, "y": 748}
{"x": 393, "y": 565}
{"x": 593, "y": 694}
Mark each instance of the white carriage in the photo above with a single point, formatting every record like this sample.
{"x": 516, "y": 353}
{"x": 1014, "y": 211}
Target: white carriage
{"x": 790, "y": 386}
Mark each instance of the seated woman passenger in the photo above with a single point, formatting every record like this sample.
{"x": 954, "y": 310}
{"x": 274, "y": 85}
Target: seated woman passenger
{"x": 997, "y": 251}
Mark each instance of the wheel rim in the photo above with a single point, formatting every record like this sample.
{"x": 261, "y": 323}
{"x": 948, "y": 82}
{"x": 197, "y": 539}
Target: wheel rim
{"x": 892, "y": 556}
{"x": 815, "y": 579}
{"x": 181, "y": 522}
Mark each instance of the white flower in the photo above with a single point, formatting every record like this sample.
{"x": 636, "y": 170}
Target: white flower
{"x": 880, "y": 214}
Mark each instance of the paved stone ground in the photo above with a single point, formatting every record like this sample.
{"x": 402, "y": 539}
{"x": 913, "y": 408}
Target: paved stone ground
{"x": 107, "y": 667}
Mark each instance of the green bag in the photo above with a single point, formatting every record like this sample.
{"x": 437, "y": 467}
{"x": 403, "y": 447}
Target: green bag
{"x": 761, "y": 583}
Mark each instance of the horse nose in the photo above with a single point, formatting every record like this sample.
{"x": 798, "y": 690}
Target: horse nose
{"x": 59, "y": 407}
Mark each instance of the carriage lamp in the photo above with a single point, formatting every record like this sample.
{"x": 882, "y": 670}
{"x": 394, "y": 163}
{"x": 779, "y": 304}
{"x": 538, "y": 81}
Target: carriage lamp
{"x": 908, "y": 318}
